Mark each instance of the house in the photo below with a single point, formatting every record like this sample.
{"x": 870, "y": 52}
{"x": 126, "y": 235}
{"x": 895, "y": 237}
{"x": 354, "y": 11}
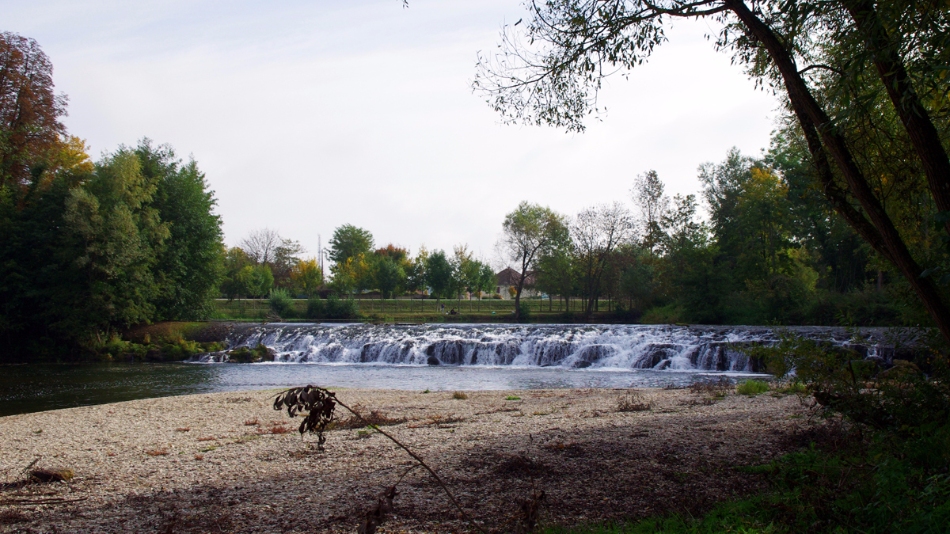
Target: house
{"x": 508, "y": 278}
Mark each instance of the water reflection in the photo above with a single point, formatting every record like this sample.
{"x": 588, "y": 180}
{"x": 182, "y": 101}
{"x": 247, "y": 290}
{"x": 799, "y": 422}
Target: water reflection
{"x": 31, "y": 388}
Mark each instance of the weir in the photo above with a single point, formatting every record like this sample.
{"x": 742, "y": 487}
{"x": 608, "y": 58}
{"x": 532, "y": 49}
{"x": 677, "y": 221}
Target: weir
{"x": 657, "y": 347}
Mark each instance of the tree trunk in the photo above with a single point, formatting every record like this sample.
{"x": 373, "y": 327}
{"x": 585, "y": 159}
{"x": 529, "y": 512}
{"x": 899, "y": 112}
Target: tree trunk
{"x": 914, "y": 116}
{"x": 809, "y": 112}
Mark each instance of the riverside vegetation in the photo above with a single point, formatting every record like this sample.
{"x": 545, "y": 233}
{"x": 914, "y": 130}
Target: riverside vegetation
{"x": 880, "y": 465}
{"x": 96, "y": 249}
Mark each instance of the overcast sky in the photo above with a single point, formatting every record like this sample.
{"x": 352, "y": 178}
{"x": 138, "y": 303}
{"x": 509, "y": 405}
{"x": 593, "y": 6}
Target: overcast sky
{"x": 306, "y": 115}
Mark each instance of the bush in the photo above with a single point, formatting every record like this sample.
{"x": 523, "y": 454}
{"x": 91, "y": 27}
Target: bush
{"x": 524, "y": 312}
{"x": 316, "y": 308}
{"x": 752, "y": 387}
{"x": 669, "y": 314}
{"x": 281, "y": 302}
{"x": 902, "y": 399}
{"x": 624, "y": 315}
{"x": 342, "y": 308}
{"x": 332, "y": 308}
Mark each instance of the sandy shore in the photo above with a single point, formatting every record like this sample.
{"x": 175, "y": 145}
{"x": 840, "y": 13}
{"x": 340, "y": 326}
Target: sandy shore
{"x": 228, "y": 462}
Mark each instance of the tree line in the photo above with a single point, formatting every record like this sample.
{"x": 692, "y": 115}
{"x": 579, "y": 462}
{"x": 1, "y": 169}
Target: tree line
{"x": 265, "y": 263}
{"x": 89, "y": 248}
{"x": 864, "y": 88}
{"x": 770, "y": 251}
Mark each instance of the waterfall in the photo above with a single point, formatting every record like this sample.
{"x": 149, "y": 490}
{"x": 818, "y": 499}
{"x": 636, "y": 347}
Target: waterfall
{"x": 658, "y": 347}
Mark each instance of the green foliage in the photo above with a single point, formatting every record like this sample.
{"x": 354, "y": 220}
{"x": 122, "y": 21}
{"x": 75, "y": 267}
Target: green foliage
{"x": 281, "y": 302}
{"x": 390, "y": 276}
{"x": 901, "y": 399}
{"x": 250, "y": 355}
{"x": 333, "y": 308}
{"x": 864, "y": 488}
{"x": 348, "y": 241}
{"x": 316, "y": 308}
{"x": 752, "y": 387}
{"x": 524, "y": 312}
{"x": 439, "y": 274}
{"x": 875, "y": 70}
{"x": 92, "y": 254}
{"x": 190, "y": 264}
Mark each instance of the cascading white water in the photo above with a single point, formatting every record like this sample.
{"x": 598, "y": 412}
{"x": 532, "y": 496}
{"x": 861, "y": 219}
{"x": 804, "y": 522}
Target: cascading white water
{"x": 658, "y": 347}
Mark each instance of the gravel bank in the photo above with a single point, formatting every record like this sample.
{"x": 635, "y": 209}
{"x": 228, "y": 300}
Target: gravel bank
{"x": 227, "y": 462}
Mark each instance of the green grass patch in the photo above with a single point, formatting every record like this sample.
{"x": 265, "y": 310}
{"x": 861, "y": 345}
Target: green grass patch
{"x": 872, "y": 484}
{"x": 793, "y": 388}
{"x": 752, "y": 387}
{"x": 513, "y": 398}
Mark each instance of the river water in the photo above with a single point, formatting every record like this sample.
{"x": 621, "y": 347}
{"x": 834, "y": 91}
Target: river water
{"x": 420, "y": 357}
{"x": 32, "y": 388}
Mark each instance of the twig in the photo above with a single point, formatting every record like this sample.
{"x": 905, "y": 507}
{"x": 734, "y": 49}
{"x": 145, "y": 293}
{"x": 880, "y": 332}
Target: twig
{"x": 52, "y": 500}
{"x": 421, "y": 462}
{"x": 27, "y": 468}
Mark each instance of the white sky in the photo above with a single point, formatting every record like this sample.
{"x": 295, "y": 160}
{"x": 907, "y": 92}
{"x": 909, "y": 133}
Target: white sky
{"x": 306, "y": 115}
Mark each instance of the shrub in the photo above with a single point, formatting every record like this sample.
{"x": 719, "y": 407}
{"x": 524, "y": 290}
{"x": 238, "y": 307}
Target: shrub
{"x": 902, "y": 399}
{"x": 669, "y": 314}
{"x": 752, "y": 387}
{"x": 633, "y": 402}
{"x": 337, "y": 308}
{"x": 524, "y": 312}
{"x": 459, "y": 395}
{"x": 316, "y": 308}
{"x": 281, "y": 302}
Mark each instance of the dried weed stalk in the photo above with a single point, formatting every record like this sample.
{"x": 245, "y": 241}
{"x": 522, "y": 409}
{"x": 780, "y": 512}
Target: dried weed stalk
{"x": 717, "y": 389}
{"x": 530, "y": 512}
{"x": 375, "y": 417}
{"x": 634, "y": 401}
{"x": 319, "y": 404}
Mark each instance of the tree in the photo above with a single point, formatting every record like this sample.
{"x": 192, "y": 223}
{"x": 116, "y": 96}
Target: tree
{"x": 648, "y": 196}
{"x": 189, "y": 265}
{"x": 261, "y": 245}
{"x": 259, "y": 280}
{"x": 286, "y": 257}
{"x": 390, "y": 276}
{"x": 348, "y": 241}
{"x": 416, "y": 271}
{"x": 439, "y": 274}
{"x": 236, "y": 279}
{"x": 528, "y": 232}
{"x": 749, "y": 214}
{"x": 30, "y": 112}
{"x": 820, "y": 55}
{"x": 555, "y": 274}
{"x": 596, "y": 232}
{"x": 306, "y": 277}
{"x": 107, "y": 247}
{"x": 484, "y": 280}
{"x": 840, "y": 251}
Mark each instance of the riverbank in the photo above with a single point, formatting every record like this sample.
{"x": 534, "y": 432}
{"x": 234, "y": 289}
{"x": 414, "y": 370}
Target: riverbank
{"x": 228, "y": 461}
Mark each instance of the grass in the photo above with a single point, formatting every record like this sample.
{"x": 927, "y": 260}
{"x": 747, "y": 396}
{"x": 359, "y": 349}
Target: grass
{"x": 459, "y": 395}
{"x": 512, "y": 398}
{"x": 845, "y": 481}
{"x": 793, "y": 388}
{"x": 406, "y": 310}
{"x": 752, "y": 387}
